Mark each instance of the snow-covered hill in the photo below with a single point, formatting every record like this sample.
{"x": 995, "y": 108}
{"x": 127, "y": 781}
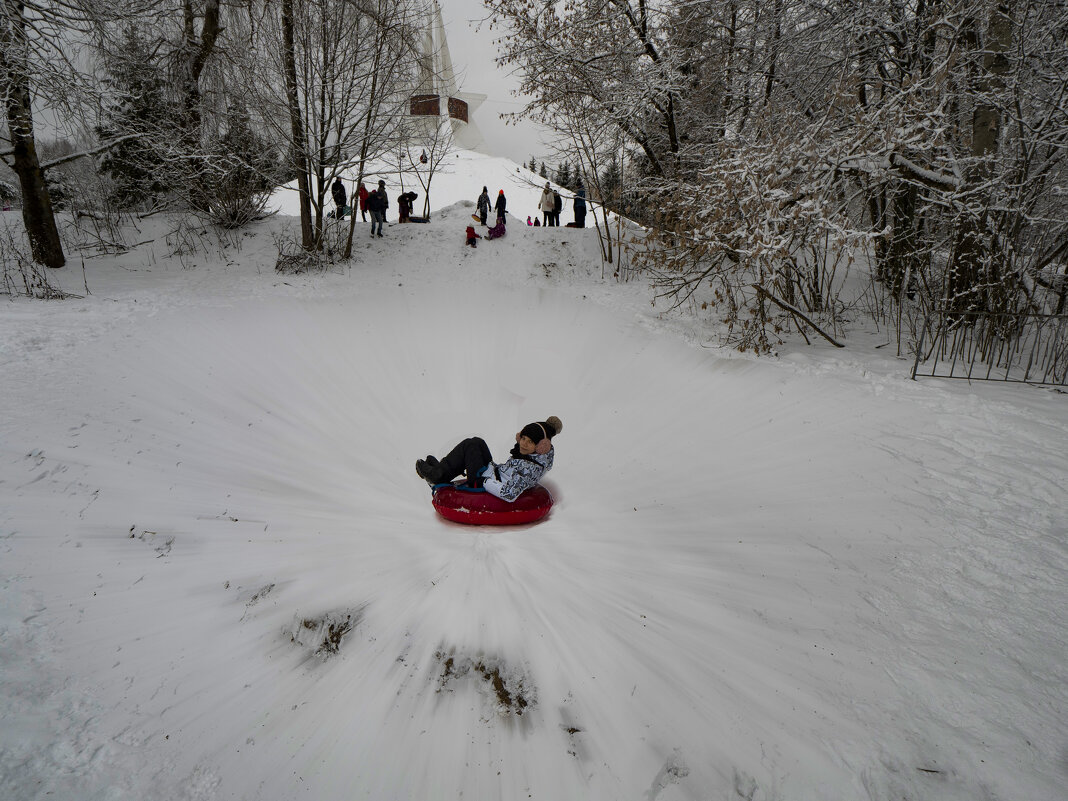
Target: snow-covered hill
{"x": 460, "y": 177}
{"x": 794, "y": 578}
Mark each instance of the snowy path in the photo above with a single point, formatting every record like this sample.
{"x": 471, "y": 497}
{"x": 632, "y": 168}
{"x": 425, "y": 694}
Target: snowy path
{"x": 761, "y": 580}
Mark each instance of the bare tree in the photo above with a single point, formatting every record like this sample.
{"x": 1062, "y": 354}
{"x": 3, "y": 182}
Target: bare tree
{"x": 191, "y": 59}
{"x": 609, "y": 52}
{"x": 594, "y": 142}
{"x": 426, "y": 144}
{"x": 297, "y": 131}
{"x": 346, "y": 66}
{"x": 19, "y": 53}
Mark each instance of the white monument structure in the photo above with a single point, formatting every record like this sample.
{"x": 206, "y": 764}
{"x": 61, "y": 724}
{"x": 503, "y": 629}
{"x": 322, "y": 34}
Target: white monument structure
{"x": 436, "y": 94}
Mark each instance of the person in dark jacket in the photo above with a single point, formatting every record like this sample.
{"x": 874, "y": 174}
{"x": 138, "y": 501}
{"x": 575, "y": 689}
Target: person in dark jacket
{"x": 531, "y": 458}
{"x": 580, "y": 207}
{"x": 483, "y": 205}
{"x": 405, "y": 200}
{"x": 337, "y": 191}
{"x": 500, "y": 206}
{"x": 558, "y": 205}
{"x": 378, "y": 215}
{"x": 384, "y": 198}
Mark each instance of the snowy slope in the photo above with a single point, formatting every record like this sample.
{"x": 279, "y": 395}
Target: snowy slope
{"x": 802, "y": 578}
{"x": 459, "y": 177}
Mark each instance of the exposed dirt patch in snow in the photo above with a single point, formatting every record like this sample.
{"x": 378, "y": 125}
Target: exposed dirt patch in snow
{"x": 511, "y": 688}
{"x": 324, "y": 634}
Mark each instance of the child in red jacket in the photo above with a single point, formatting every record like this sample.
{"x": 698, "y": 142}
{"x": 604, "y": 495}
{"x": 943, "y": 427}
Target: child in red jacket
{"x": 472, "y": 237}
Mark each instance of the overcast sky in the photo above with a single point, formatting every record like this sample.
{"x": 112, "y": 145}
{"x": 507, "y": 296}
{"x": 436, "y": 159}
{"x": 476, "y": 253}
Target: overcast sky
{"x": 474, "y": 55}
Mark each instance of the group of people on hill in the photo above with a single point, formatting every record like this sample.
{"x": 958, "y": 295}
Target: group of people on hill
{"x": 376, "y": 201}
{"x": 551, "y": 204}
{"x": 482, "y": 206}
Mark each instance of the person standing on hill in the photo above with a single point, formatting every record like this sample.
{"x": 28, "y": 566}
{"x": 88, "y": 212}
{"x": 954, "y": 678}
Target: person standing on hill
{"x": 483, "y": 205}
{"x": 580, "y": 207}
{"x": 362, "y": 192}
{"x": 500, "y": 206}
{"x": 374, "y": 205}
{"x": 337, "y": 191}
{"x": 382, "y": 196}
{"x": 558, "y": 205}
{"x": 545, "y": 205}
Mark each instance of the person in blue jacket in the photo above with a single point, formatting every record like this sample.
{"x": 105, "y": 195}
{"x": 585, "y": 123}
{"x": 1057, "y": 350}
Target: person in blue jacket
{"x": 529, "y": 460}
{"x": 580, "y": 207}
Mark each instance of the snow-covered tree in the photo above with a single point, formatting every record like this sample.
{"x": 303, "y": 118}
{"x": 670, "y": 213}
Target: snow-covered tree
{"x": 608, "y": 51}
{"x": 782, "y": 141}
{"x": 33, "y": 62}
{"x": 139, "y": 112}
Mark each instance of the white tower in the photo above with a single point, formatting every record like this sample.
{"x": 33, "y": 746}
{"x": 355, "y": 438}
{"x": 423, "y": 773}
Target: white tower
{"x": 437, "y": 83}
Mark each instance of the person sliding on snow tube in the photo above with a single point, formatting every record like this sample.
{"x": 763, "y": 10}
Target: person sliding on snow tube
{"x": 531, "y": 458}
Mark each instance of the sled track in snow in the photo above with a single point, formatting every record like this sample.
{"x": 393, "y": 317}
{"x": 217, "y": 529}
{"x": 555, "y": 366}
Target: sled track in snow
{"x": 713, "y": 605}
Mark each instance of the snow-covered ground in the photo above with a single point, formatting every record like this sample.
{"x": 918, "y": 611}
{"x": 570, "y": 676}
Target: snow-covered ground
{"x": 797, "y": 578}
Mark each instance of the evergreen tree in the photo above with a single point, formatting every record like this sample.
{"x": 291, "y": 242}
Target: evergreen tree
{"x": 533, "y": 166}
{"x": 138, "y": 105}
{"x": 544, "y": 173}
{"x": 241, "y": 172}
{"x": 611, "y": 185}
{"x": 563, "y": 175}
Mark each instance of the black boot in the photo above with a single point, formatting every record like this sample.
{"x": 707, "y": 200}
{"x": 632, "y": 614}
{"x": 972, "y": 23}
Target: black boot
{"x": 431, "y": 474}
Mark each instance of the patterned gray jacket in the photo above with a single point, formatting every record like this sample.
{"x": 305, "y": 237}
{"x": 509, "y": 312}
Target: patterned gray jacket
{"x": 516, "y": 475}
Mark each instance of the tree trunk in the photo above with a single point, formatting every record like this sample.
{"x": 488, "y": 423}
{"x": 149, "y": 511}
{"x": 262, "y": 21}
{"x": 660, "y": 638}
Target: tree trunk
{"x": 195, "y": 53}
{"x": 974, "y": 273}
{"x": 37, "y": 214}
{"x": 902, "y": 256}
{"x": 368, "y": 120}
{"x": 196, "y": 50}
{"x": 300, "y": 160}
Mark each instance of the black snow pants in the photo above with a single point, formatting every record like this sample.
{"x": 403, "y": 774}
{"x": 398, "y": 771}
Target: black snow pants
{"x": 470, "y": 456}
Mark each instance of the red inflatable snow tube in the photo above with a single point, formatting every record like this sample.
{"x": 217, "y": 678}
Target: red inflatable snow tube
{"x": 480, "y": 508}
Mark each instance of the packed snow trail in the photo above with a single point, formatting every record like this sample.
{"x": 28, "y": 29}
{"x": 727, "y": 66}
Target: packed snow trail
{"x": 760, "y": 580}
